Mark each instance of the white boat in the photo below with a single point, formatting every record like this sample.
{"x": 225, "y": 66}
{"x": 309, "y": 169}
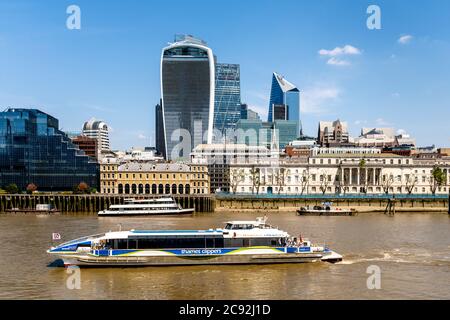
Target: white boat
{"x": 326, "y": 209}
{"x": 240, "y": 242}
{"x": 133, "y": 207}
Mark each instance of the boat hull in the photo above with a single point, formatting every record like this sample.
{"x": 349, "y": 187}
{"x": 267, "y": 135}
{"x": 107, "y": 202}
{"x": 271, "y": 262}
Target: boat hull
{"x": 146, "y": 213}
{"x": 111, "y": 261}
{"x": 326, "y": 213}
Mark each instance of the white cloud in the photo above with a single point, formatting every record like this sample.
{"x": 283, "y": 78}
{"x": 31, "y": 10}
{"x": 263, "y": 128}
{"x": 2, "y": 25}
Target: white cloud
{"x": 382, "y": 122}
{"x": 339, "y": 51}
{"x": 318, "y": 98}
{"x": 141, "y": 136}
{"x": 338, "y": 62}
{"x": 360, "y": 122}
{"x": 405, "y": 39}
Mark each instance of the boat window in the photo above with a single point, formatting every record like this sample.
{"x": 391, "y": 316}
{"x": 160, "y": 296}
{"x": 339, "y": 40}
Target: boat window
{"x": 174, "y": 242}
{"x": 228, "y": 226}
{"x": 242, "y": 227}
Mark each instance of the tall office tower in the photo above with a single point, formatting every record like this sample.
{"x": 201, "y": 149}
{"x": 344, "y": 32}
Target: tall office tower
{"x": 34, "y": 150}
{"x": 227, "y": 109}
{"x": 97, "y": 130}
{"x": 280, "y": 112}
{"x": 159, "y": 130}
{"x": 187, "y": 91}
{"x": 284, "y": 92}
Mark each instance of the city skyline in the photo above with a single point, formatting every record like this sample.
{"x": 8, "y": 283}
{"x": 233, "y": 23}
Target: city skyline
{"x": 395, "y": 77}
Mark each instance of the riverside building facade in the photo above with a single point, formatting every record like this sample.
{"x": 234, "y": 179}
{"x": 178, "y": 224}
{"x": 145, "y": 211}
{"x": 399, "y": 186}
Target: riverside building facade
{"x": 147, "y": 178}
{"x": 218, "y": 157}
{"x": 335, "y": 174}
{"x": 34, "y": 150}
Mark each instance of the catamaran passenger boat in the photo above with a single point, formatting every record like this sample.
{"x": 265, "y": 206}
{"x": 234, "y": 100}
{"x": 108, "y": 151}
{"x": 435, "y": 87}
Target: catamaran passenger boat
{"x": 133, "y": 207}
{"x": 239, "y": 242}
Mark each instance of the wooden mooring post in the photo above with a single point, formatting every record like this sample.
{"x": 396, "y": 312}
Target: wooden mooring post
{"x": 390, "y": 208}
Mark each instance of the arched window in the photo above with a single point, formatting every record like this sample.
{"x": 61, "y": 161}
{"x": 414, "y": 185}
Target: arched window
{"x": 127, "y": 189}
{"x": 187, "y": 189}
{"x": 160, "y": 189}
{"x": 120, "y": 188}
{"x": 174, "y": 189}
{"x": 180, "y": 189}
{"x": 141, "y": 189}
{"x": 147, "y": 189}
{"x": 167, "y": 188}
{"x": 133, "y": 189}
{"x": 154, "y": 189}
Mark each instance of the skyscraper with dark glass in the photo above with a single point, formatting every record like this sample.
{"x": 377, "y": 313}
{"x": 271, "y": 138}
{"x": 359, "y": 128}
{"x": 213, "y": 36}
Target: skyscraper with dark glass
{"x": 227, "y": 106}
{"x": 187, "y": 92}
{"x": 34, "y": 150}
{"x": 284, "y": 93}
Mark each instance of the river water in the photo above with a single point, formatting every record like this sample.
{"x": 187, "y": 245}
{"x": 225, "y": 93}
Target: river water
{"x": 411, "y": 250}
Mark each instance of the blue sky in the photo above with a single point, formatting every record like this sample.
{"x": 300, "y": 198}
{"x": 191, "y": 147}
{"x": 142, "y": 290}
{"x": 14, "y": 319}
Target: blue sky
{"x": 110, "y": 68}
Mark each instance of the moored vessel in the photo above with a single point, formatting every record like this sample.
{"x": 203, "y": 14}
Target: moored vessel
{"x": 326, "y": 209}
{"x": 135, "y": 207}
{"x": 239, "y": 242}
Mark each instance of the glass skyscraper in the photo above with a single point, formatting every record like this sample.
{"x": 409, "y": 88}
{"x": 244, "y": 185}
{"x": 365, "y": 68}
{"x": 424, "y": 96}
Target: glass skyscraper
{"x": 284, "y": 92}
{"x": 187, "y": 92}
{"x": 227, "y": 106}
{"x": 34, "y": 150}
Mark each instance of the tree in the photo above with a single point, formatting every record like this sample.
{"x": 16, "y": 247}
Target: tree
{"x": 305, "y": 180}
{"x": 411, "y": 181}
{"x": 280, "y": 178}
{"x": 324, "y": 182}
{"x": 236, "y": 177}
{"x": 437, "y": 179}
{"x": 83, "y": 187}
{"x": 31, "y": 188}
{"x": 12, "y": 188}
{"x": 255, "y": 176}
{"x": 387, "y": 182}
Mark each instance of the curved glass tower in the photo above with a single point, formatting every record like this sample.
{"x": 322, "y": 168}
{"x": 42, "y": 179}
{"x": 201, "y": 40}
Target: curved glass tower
{"x": 187, "y": 91}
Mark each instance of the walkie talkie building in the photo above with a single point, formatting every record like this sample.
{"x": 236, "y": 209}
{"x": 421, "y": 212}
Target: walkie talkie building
{"x": 187, "y": 93}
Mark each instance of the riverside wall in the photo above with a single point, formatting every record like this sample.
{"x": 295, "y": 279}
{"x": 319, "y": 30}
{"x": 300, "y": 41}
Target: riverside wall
{"x": 360, "y": 205}
{"x": 93, "y": 203}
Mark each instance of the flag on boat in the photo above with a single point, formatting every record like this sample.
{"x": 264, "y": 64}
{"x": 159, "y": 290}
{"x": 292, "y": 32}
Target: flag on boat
{"x": 56, "y": 236}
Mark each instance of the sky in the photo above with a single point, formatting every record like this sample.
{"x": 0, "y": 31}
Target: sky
{"x": 397, "y": 76}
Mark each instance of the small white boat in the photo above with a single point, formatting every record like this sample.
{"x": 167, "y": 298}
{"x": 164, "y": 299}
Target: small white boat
{"x": 326, "y": 209}
{"x": 133, "y": 207}
{"x": 239, "y": 242}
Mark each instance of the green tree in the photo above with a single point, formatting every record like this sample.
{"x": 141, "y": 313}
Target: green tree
{"x": 12, "y": 188}
{"x": 438, "y": 178}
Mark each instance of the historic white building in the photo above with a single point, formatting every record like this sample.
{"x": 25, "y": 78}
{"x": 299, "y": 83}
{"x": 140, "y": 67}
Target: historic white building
{"x": 341, "y": 174}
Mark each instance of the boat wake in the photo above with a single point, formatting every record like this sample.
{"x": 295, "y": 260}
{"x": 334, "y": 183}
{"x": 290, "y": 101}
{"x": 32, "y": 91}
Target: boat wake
{"x": 400, "y": 256}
